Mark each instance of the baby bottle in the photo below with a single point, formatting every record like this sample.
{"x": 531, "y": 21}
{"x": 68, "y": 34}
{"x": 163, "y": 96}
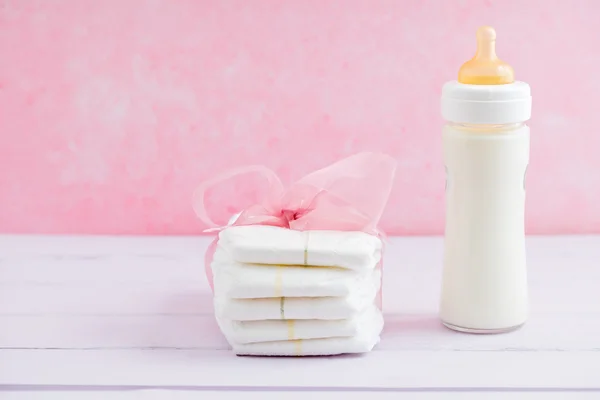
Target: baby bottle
{"x": 486, "y": 153}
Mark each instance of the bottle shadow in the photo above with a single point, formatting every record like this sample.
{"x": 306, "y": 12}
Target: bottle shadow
{"x": 411, "y": 323}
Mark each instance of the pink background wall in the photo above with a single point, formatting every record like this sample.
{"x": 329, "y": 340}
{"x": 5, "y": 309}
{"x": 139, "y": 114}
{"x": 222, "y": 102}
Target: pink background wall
{"x": 112, "y": 111}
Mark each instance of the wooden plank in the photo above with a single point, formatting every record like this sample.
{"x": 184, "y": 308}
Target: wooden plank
{"x": 65, "y": 245}
{"x": 161, "y": 394}
{"x": 119, "y": 283}
{"x": 99, "y": 270}
{"x": 111, "y": 332}
{"x": 182, "y": 298}
{"x": 575, "y": 332}
{"x": 377, "y": 370}
{"x": 404, "y": 292}
{"x": 99, "y": 260}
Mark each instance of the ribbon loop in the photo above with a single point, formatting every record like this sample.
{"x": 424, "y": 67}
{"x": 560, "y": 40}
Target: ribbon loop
{"x": 349, "y": 195}
{"x": 275, "y": 190}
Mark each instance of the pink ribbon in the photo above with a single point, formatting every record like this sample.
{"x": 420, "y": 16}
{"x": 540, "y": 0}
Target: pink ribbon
{"x": 349, "y": 195}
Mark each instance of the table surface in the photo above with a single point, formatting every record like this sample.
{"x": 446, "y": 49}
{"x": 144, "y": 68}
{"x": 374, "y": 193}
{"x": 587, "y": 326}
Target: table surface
{"x": 131, "y": 317}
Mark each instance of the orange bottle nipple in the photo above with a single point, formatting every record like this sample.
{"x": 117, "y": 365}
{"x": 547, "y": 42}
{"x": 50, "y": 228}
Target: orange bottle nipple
{"x": 486, "y": 68}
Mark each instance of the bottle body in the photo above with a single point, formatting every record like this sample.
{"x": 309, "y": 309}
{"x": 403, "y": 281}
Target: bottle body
{"x": 484, "y": 285}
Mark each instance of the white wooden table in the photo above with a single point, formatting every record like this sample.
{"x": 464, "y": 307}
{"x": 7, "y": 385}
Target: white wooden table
{"x": 127, "y": 317}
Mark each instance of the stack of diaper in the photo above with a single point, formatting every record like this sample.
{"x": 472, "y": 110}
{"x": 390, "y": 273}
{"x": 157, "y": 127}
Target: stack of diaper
{"x": 283, "y": 292}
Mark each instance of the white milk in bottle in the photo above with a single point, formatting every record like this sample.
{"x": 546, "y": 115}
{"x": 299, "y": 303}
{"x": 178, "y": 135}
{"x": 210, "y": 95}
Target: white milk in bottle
{"x": 486, "y": 153}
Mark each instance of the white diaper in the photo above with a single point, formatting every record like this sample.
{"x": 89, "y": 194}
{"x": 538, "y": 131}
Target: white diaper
{"x": 250, "y": 281}
{"x": 366, "y": 337}
{"x": 273, "y": 245}
{"x": 298, "y": 307}
{"x": 242, "y": 332}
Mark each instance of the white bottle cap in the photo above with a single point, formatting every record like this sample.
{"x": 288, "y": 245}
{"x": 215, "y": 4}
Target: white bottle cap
{"x": 486, "y": 104}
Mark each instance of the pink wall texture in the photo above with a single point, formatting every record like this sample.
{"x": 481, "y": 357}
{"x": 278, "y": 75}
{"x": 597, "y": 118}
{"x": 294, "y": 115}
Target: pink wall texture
{"x": 112, "y": 111}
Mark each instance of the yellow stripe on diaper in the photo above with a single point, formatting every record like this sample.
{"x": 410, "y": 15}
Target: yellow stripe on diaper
{"x": 279, "y": 282}
{"x": 306, "y": 236}
{"x": 298, "y": 347}
{"x": 290, "y": 326}
{"x": 279, "y": 291}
